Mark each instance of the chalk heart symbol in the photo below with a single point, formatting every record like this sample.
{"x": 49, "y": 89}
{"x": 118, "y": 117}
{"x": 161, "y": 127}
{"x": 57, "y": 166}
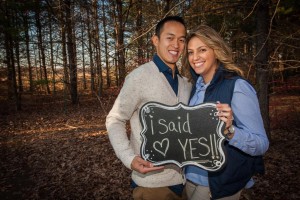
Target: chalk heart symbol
{"x": 161, "y": 147}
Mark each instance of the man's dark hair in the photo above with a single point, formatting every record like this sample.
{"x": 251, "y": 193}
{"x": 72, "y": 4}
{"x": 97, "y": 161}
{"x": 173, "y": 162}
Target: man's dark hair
{"x": 162, "y": 22}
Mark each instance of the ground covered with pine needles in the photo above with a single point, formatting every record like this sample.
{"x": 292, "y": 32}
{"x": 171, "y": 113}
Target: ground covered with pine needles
{"x": 52, "y": 150}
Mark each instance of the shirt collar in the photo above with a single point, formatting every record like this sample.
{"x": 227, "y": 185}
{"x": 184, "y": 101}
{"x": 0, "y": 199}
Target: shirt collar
{"x": 200, "y": 85}
{"x": 162, "y": 67}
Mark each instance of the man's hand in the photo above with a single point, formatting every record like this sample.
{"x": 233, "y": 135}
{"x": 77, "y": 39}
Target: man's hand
{"x": 143, "y": 166}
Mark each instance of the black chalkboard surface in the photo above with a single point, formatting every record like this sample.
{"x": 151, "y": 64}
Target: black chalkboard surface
{"x": 182, "y": 135}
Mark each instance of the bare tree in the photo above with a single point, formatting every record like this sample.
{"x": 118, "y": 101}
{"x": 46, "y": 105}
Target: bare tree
{"x": 119, "y": 33}
{"x": 97, "y": 46}
{"x": 10, "y": 57}
{"x": 83, "y": 27}
{"x": 62, "y": 23}
{"x": 71, "y": 45}
{"x": 17, "y": 53}
{"x": 41, "y": 45}
{"x": 139, "y": 21}
{"x": 26, "y": 32}
{"x": 90, "y": 48}
{"x": 104, "y": 21}
{"x": 261, "y": 59}
{"x": 51, "y": 52}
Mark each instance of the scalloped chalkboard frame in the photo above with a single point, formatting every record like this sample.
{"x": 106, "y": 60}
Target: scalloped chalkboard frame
{"x": 183, "y": 135}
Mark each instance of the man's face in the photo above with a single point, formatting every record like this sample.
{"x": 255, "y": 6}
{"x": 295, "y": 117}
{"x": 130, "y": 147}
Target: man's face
{"x": 170, "y": 44}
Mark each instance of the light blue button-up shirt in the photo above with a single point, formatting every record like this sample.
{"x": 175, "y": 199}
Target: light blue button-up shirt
{"x": 249, "y": 136}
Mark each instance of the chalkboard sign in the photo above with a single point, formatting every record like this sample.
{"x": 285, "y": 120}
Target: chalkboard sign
{"x": 182, "y": 135}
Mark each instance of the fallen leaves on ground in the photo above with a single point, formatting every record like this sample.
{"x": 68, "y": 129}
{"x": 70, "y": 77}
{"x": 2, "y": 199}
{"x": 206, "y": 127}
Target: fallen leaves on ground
{"x": 55, "y": 151}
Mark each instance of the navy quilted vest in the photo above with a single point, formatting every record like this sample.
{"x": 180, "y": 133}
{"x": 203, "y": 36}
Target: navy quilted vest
{"x": 240, "y": 167}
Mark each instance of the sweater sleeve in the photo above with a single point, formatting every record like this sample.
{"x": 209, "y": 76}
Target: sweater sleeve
{"x": 122, "y": 110}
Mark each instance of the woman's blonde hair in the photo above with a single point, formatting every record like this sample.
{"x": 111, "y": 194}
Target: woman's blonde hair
{"x": 214, "y": 41}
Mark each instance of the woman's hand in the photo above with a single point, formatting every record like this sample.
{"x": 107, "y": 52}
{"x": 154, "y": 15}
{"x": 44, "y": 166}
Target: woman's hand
{"x": 143, "y": 166}
{"x": 225, "y": 114}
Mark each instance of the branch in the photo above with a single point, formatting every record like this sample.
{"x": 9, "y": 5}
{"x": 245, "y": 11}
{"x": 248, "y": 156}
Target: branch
{"x": 100, "y": 103}
{"x": 251, "y": 10}
{"x": 151, "y": 26}
{"x": 270, "y": 28}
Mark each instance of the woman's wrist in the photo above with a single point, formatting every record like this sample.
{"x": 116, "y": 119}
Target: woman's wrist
{"x": 229, "y": 132}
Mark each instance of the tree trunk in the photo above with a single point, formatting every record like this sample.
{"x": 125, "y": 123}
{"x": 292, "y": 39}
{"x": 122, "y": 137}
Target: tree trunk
{"x": 20, "y": 82}
{"x": 97, "y": 46}
{"x": 41, "y": 46}
{"x": 108, "y": 81}
{"x": 90, "y": 48}
{"x": 11, "y": 72}
{"x": 139, "y": 31}
{"x": 167, "y": 6}
{"x": 261, "y": 60}
{"x": 26, "y": 27}
{"x": 51, "y": 53}
{"x": 119, "y": 30}
{"x": 117, "y": 71}
{"x": 83, "y": 59}
{"x": 64, "y": 48}
{"x": 83, "y": 27}
{"x": 71, "y": 52}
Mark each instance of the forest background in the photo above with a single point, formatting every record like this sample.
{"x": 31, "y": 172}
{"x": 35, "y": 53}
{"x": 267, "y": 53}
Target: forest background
{"x": 62, "y": 64}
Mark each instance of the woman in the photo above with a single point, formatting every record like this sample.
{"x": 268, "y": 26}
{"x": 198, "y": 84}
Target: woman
{"x": 218, "y": 79}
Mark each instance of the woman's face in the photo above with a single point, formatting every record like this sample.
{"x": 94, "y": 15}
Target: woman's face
{"x": 202, "y": 59}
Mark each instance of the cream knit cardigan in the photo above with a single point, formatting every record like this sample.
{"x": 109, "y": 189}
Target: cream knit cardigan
{"x": 142, "y": 85}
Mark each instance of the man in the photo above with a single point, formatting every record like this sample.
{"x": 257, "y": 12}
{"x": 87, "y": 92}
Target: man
{"x": 158, "y": 81}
